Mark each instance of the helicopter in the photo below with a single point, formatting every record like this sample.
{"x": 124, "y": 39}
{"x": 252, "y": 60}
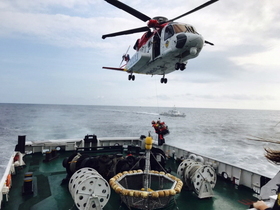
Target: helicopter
{"x": 164, "y": 47}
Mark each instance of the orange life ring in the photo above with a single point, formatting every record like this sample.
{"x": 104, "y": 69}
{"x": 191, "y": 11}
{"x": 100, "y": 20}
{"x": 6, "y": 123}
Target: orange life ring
{"x": 9, "y": 181}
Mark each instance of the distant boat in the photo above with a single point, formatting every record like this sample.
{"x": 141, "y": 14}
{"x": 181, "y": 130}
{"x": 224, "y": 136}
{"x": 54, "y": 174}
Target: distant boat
{"x": 173, "y": 113}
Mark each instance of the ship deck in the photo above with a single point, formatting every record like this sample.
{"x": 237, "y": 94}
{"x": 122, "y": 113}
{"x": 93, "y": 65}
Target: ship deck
{"x": 51, "y": 193}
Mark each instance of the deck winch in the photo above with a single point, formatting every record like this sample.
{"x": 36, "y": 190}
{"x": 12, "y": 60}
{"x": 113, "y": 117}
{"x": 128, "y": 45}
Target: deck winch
{"x": 198, "y": 177}
{"x": 89, "y": 189}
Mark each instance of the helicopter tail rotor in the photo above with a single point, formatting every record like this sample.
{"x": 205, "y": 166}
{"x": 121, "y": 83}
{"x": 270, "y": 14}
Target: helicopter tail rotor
{"x": 125, "y": 57}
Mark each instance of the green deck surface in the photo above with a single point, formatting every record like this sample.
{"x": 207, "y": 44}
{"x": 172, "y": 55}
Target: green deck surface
{"x": 50, "y": 194}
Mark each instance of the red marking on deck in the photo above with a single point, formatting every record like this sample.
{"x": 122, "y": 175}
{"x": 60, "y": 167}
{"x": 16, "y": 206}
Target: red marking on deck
{"x": 246, "y": 202}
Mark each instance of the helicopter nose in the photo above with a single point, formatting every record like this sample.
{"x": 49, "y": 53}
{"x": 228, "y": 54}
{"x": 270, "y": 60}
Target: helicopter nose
{"x": 199, "y": 41}
{"x": 181, "y": 40}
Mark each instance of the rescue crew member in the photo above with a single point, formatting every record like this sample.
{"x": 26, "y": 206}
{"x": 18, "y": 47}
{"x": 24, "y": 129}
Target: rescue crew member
{"x": 161, "y": 129}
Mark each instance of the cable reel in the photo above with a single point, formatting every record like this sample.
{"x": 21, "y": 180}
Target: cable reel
{"x": 198, "y": 177}
{"x": 89, "y": 190}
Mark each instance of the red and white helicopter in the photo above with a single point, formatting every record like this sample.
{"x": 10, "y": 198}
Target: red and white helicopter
{"x": 160, "y": 51}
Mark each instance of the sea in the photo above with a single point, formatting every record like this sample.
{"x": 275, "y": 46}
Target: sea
{"x": 222, "y": 134}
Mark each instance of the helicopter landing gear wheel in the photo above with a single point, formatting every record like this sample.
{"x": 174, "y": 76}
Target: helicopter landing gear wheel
{"x": 177, "y": 66}
{"x": 163, "y": 80}
{"x": 131, "y": 77}
{"x": 182, "y": 66}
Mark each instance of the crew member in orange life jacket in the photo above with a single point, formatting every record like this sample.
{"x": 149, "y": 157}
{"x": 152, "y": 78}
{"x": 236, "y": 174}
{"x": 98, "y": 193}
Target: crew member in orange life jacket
{"x": 274, "y": 156}
{"x": 161, "y": 129}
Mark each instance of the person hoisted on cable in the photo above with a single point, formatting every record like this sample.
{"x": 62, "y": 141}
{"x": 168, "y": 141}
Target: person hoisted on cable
{"x": 161, "y": 129}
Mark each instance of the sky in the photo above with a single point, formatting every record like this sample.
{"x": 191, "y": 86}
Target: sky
{"x": 51, "y": 52}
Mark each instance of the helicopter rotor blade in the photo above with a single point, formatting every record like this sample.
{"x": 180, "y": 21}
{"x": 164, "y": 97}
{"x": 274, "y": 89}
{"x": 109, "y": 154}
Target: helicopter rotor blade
{"x": 207, "y": 42}
{"x": 129, "y": 10}
{"x": 195, "y": 9}
{"x": 130, "y": 31}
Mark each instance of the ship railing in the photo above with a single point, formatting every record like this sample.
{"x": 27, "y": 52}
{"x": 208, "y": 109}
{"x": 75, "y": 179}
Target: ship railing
{"x": 227, "y": 171}
{"x": 4, "y": 185}
{"x": 73, "y": 144}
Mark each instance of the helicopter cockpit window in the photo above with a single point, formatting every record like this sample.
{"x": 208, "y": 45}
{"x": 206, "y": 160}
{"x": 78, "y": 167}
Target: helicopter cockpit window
{"x": 178, "y": 28}
{"x": 169, "y": 32}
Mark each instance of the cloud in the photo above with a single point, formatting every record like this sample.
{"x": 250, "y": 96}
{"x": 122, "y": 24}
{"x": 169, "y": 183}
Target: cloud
{"x": 46, "y": 5}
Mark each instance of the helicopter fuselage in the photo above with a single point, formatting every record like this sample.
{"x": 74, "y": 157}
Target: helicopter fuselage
{"x": 165, "y": 49}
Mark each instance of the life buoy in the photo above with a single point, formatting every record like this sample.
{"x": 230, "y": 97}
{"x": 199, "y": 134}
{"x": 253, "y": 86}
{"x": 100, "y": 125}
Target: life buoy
{"x": 9, "y": 181}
